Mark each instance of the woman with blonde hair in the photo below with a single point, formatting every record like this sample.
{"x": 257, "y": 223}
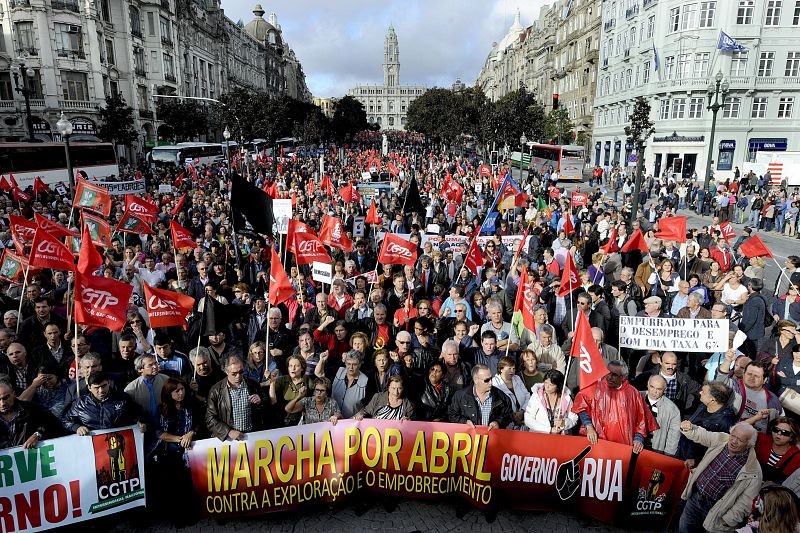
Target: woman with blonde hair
{"x": 596, "y": 273}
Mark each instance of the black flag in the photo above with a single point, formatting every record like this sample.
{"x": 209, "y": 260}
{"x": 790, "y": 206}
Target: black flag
{"x": 413, "y": 201}
{"x": 218, "y": 317}
{"x": 251, "y": 204}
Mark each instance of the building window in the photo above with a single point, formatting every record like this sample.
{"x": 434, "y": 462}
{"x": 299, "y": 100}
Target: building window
{"x": 689, "y": 17}
{"x": 669, "y": 67}
{"x": 738, "y": 63}
{"x": 615, "y": 85}
{"x": 796, "y": 16}
{"x": 651, "y": 26}
{"x": 773, "y": 12}
{"x": 684, "y": 65}
{"x": 664, "y": 109}
{"x": 646, "y": 72}
{"x": 679, "y": 108}
{"x": 138, "y": 61}
{"x": 25, "y": 38}
{"x": 765, "y": 63}
{"x": 759, "y": 109}
{"x": 674, "y": 19}
{"x": 169, "y": 66}
{"x": 785, "y": 105}
{"x": 105, "y": 11}
{"x": 792, "y": 64}
{"x": 136, "y": 22}
{"x": 70, "y": 40}
{"x": 151, "y": 24}
{"x": 744, "y": 15}
{"x": 141, "y": 97}
{"x": 166, "y": 34}
{"x": 731, "y": 107}
{"x": 701, "y": 65}
{"x": 696, "y": 108}
{"x": 6, "y": 91}
{"x": 707, "y": 10}
{"x": 75, "y": 86}
{"x": 154, "y": 61}
{"x": 110, "y": 52}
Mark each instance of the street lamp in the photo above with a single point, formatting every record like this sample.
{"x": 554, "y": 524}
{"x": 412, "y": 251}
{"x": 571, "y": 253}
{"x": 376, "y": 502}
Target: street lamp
{"x": 522, "y": 141}
{"x": 227, "y": 135}
{"x": 16, "y": 70}
{"x": 715, "y": 89}
{"x": 64, "y": 127}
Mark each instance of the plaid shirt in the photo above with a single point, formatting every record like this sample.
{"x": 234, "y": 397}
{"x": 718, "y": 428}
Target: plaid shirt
{"x": 719, "y": 475}
{"x": 672, "y": 387}
{"x": 485, "y": 408}
{"x": 240, "y": 405}
{"x": 21, "y": 378}
{"x": 310, "y": 413}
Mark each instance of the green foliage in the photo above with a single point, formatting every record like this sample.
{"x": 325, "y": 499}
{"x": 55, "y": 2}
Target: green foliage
{"x": 349, "y": 118}
{"x": 443, "y": 115}
{"x": 551, "y": 126}
{"x": 116, "y": 121}
{"x": 187, "y": 119}
{"x": 641, "y": 126}
{"x": 512, "y": 115}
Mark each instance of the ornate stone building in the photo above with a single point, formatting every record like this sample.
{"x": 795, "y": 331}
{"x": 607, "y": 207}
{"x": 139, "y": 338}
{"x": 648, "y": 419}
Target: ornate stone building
{"x": 387, "y": 104}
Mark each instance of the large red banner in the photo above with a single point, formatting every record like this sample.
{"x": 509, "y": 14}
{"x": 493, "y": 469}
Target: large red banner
{"x": 283, "y": 469}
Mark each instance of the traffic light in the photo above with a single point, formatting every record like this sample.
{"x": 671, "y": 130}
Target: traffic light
{"x": 555, "y": 101}
{"x": 493, "y": 159}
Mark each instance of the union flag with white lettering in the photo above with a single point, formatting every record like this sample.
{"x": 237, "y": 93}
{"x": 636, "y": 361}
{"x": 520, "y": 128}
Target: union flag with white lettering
{"x": 397, "y": 251}
{"x": 166, "y": 308}
{"x": 22, "y": 232}
{"x": 332, "y": 234}
{"x": 141, "y": 209}
{"x": 101, "y": 302}
{"x": 308, "y": 249}
{"x": 49, "y": 252}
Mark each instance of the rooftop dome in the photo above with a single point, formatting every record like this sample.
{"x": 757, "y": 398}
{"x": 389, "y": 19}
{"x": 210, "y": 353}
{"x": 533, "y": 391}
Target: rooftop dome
{"x": 262, "y": 30}
{"x": 513, "y": 34}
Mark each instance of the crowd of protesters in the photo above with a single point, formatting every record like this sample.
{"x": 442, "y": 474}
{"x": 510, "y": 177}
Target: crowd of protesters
{"x": 430, "y": 342}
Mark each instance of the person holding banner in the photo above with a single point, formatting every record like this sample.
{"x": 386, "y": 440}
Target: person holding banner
{"x": 234, "y": 404}
{"x": 549, "y": 409}
{"x": 24, "y": 423}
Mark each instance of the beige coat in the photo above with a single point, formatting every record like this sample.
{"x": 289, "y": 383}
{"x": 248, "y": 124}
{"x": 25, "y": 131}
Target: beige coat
{"x": 735, "y": 505}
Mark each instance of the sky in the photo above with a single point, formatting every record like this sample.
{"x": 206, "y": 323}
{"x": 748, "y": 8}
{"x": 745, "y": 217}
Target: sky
{"x": 340, "y": 42}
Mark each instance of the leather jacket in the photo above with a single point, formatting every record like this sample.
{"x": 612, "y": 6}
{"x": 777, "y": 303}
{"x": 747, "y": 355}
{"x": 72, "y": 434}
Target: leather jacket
{"x": 219, "y": 414}
{"x": 434, "y": 403}
{"x": 116, "y": 411}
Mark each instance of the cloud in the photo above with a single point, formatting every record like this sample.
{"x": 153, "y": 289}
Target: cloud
{"x": 340, "y": 42}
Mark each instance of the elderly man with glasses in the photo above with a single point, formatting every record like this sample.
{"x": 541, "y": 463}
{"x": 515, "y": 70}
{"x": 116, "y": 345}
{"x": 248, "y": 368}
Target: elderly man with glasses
{"x": 480, "y": 404}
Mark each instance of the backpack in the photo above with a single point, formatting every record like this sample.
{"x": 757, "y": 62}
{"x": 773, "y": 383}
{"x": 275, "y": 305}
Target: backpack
{"x": 769, "y": 320}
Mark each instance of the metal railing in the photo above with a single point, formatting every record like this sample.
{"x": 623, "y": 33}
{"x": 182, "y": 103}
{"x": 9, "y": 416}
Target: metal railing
{"x": 136, "y": 32}
{"x": 631, "y": 12}
{"x": 140, "y": 71}
{"x": 19, "y": 3}
{"x": 66, "y": 5}
{"x": 610, "y": 24}
{"x": 79, "y": 54}
{"x": 76, "y": 104}
{"x": 171, "y": 78}
{"x": 167, "y": 41}
{"x": 648, "y": 3}
{"x": 30, "y": 51}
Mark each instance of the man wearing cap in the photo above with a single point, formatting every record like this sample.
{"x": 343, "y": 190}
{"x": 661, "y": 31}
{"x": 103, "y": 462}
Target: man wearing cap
{"x": 652, "y": 308}
{"x": 257, "y": 321}
{"x": 338, "y": 299}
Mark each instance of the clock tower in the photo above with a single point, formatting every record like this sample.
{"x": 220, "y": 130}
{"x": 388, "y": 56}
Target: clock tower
{"x": 391, "y": 59}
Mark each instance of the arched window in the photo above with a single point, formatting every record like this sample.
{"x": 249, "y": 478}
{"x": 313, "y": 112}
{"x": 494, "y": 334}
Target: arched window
{"x": 136, "y": 21}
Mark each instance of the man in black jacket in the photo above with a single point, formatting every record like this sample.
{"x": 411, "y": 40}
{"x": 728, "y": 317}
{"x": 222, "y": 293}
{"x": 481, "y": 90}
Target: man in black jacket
{"x": 103, "y": 408}
{"x": 24, "y": 423}
{"x": 752, "y": 322}
{"x": 681, "y": 389}
{"x": 480, "y": 404}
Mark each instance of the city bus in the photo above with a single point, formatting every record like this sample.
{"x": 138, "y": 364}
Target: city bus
{"x": 185, "y": 153}
{"x": 569, "y": 160}
{"x": 26, "y": 161}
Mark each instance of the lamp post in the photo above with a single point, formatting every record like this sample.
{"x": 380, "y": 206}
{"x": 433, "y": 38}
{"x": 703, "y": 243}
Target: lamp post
{"x": 715, "y": 89}
{"x": 522, "y": 141}
{"x": 64, "y": 127}
{"x": 16, "y": 70}
{"x": 227, "y": 135}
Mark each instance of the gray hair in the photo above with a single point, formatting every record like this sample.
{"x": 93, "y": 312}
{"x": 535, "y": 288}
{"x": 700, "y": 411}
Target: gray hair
{"x": 547, "y": 329}
{"x": 199, "y": 354}
{"x": 353, "y": 355}
{"x": 627, "y": 270}
{"x": 138, "y": 363}
{"x": 601, "y": 332}
{"x": 380, "y": 307}
{"x": 696, "y": 296}
{"x": 273, "y": 311}
{"x": 752, "y": 433}
{"x": 93, "y": 356}
{"x": 478, "y": 368}
{"x": 619, "y": 363}
{"x": 657, "y": 377}
{"x": 233, "y": 358}
{"x": 12, "y": 313}
{"x": 406, "y": 336}
{"x": 494, "y": 305}
{"x": 449, "y": 344}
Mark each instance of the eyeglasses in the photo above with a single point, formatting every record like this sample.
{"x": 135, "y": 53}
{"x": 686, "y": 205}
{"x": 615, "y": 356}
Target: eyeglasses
{"x": 320, "y": 390}
{"x": 487, "y": 380}
{"x": 403, "y": 342}
{"x": 782, "y": 432}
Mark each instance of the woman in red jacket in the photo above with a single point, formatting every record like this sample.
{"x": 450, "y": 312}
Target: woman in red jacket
{"x": 777, "y": 449}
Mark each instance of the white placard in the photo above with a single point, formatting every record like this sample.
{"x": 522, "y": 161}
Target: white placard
{"x": 164, "y": 188}
{"x": 673, "y": 334}
{"x": 358, "y": 225}
{"x": 282, "y": 211}
{"x": 322, "y": 272}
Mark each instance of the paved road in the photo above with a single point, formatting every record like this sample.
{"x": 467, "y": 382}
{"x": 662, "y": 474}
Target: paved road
{"x": 408, "y": 517}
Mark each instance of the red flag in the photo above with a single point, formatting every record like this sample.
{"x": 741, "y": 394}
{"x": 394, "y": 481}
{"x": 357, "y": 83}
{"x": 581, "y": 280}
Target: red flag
{"x": 636, "y": 242}
{"x": 295, "y": 226}
{"x": 166, "y": 308}
{"x": 496, "y": 182}
{"x": 474, "y": 258}
{"x": 592, "y": 367}
{"x": 569, "y": 229}
{"x": 179, "y": 180}
{"x": 397, "y": 251}
{"x": 280, "y": 288}
{"x": 372, "y": 215}
{"x": 310, "y": 188}
{"x": 130, "y": 223}
{"x": 349, "y": 194}
{"x": 672, "y": 229}
{"x": 56, "y": 230}
{"x": 524, "y": 301}
{"x": 99, "y": 229}
{"x": 521, "y": 244}
{"x": 332, "y": 234}
{"x": 612, "y": 245}
{"x": 89, "y": 258}
{"x": 12, "y": 266}
{"x": 570, "y": 278}
{"x": 754, "y": 247}
{"x": 485, "y": 171}
{"x": 579, "y": 199}
{"x": 392, "y": 169}
{"x": 181, "y": 237}
{"x": 555, "y": 194}
{"x": 192, "y": 172}
{"x": 178, "y": 206}
{"x": 452, "y": 191}
{"x": 14, "y": 184}
{"x": 461, "y": 170}
{"x": 39, "y": 186}
{"x": 49, "y": 252}
{"x": 22, "y": 232}
{"x": 308, "y": 249}
{"x": 4, "y": 184}
{"x": 101, "y": 302}
{"x": 140, "y": 208}
{"x": 20, "y": 196}
{"x": 92, "y": 197}
{"x": 727, "y": 231}
{"x": 327, "y": 185}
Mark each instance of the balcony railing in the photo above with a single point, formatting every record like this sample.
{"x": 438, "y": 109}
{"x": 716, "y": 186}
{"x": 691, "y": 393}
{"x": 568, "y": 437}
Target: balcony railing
{"x": 140, "y": 71}
{"x": 30, "y": 51}
{"x": 609, "y": 24}
{"x": 74, "y": 54}
{"x": 626, "y": 54}
{"x": 631, "y": 12}
{"x": 648, "y": 3}
{"x": 145, "y": 113}
{"x": 136, "y": 32}
{"x": 37, "y": 102}
{"x": 166, "y": 41}
{"x": 171, "y": 78}
{"x": 65, "y": 5}
{"x": 6, "y": 104}
{"x": 20, "y": 3}
{"x": 76, "y": 104}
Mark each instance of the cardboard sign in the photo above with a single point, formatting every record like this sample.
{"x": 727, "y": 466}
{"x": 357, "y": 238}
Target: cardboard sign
{"x": 322, "y": 272}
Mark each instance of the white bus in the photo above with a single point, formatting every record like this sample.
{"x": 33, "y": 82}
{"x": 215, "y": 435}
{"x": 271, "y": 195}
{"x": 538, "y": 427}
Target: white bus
{"x": 569, "y": 160}
{"x": 48, "y": 160}
{"x": 185, "y": 153}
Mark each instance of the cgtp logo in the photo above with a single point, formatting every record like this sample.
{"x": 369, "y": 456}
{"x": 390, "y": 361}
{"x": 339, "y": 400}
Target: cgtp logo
{"x": 46, "y": 247}
{"x": 157, "y": 303}
{"x": 100, "y": 299}
{"x": 138, "y": 208}
{"x": 586, "y": 360}
{"x": 397, "y": 249}
{"x": 24, "y": 231}
{"x": 308, "y": 247}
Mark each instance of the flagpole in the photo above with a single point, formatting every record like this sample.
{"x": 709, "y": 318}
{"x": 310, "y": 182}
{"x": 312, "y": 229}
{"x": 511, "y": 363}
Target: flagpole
{"x": 782, "y": 273}
{"x": 22, "y": 296}
{"x": 266, "y": 347}
{"x": 175, "y": 257}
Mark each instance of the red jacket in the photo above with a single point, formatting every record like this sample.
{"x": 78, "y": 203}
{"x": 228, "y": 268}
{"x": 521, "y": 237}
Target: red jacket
{"x": 788, "y": 463}
{"x": 335, "y": 347}
{"x": 723, "y": 258}
{"x": 340, "y": 309}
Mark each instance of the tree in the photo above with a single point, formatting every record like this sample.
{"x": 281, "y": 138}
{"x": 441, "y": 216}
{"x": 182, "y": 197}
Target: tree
{"x": 349, "y": 118}
{"x": 116, "y": 121}
{"x": 640, "y": 129}
{"x": 559, "y": 117}
{"x": 187, "y": 118}
{"x": 432, "y": 114}
{"x": 315, "y": 128}
{"x": 512, "y": 115}
{"x": 472, "y": 106}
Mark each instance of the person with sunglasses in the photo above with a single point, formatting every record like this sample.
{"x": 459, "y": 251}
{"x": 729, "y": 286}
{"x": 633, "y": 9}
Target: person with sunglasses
{"x": 777, "y": 449}
{"x": 317, "y": 408}
{"x": 480, "y": 404}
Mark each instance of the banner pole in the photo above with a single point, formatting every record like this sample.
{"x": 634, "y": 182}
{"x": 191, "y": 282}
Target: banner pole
{"x": 782, "y": 273}
{"x": 266, "y": 347}
{"x": 77, "y": 362}
{"x": 22, "y": 296}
